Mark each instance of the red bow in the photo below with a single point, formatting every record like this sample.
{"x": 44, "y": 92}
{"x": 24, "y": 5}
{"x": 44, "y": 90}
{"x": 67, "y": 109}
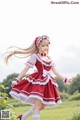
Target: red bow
{"x": 43, "y": 54}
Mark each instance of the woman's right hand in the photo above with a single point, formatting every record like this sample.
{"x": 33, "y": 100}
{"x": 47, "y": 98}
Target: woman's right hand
{"x": 68, "y": 81}
{"x": 14, "y": 83}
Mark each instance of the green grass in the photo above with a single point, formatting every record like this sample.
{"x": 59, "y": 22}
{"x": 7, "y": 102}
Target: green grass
{"x": 64, "y": 111}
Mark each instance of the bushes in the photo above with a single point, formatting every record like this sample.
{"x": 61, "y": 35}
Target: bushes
{"x": 75, "y": 97}
{"x": 76, "y": 116}
{"x": 16, "y": 103}
{"x": 5, "y": 102}
{"x": 64, "y": 96}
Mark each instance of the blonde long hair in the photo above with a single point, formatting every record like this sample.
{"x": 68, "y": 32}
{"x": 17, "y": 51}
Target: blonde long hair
{"x": 20, "y": 51}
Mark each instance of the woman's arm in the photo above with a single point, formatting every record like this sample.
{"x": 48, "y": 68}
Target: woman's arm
{"x": 20, "y": 75}
{"x": 56, "y": 72}
{"x": 23, "y": 72}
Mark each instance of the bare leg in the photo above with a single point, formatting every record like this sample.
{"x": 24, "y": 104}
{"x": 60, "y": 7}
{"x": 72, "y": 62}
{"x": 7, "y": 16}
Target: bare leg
{"x": 37, "y": 107}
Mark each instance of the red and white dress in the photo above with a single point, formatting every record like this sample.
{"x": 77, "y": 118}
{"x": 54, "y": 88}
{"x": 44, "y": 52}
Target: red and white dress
{"x": 40, "y": 84}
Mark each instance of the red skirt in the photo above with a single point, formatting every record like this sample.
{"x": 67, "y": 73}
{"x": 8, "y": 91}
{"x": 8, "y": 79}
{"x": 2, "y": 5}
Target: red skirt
{"x": 27, "y": 92}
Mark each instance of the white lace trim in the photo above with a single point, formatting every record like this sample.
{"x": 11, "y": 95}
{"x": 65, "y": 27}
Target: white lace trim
{"x": 30, "y": 99}
{"x": 32, "y": 61}
{"x": 43, "y": 61}
{"x": 32, "y": 92}
{"x": 46, "y": 73}
{"x": 14, "y": 82}
{"x": 29, "y": 64}
{"x": 40, "y": 82}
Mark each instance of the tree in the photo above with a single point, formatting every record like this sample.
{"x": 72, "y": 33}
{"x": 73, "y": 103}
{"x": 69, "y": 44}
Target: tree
{"x": 75, "y": 85}
{"x": 8, "y": 81}
{"x": 61, "y": 86}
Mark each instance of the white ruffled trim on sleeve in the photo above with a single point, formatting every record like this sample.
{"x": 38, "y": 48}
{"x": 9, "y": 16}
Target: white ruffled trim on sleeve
{"x": 31, "y": 61}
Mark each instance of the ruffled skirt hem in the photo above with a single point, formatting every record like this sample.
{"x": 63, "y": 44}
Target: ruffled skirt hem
{"x": 31, "y": 99}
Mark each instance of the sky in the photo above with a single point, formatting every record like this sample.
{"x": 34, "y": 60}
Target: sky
{"x": 22, "y": 20}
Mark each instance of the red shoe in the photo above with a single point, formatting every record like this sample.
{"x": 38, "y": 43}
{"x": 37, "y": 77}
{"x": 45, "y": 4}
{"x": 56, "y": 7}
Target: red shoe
{"x": 20, "y": 117}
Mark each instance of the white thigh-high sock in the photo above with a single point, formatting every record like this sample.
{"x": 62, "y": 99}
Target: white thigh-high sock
{"x": 27, "y": 114}
{"x": 36, "y": 116}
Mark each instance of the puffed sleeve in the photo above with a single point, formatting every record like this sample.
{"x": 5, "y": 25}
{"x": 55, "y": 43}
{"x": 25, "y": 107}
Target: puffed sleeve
{"x": 31, "y": 61}
{"x": 53, "y": 64}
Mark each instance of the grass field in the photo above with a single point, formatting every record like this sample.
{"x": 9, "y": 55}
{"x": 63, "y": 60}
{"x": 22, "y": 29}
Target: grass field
{"x": 64, "y": 111}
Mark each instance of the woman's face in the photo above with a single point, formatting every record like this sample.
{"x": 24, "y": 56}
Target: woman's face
{"x": 44, "y": 46}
